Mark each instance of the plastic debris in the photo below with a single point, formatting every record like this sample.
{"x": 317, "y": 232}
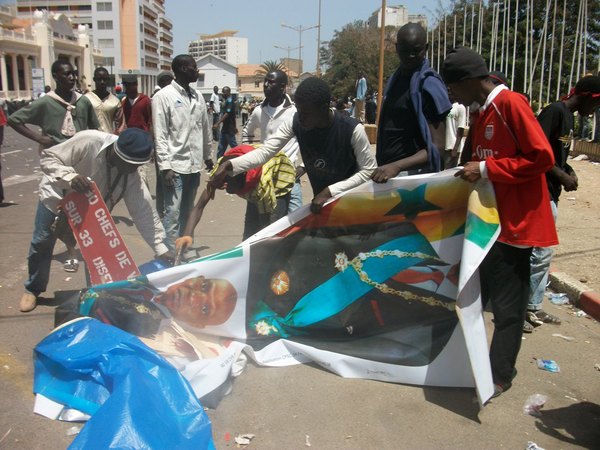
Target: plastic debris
{"x": 307, "y": 441}
{"x": 548, "y": 364}
{"x": 244, "y": 439}
{"x": 582, "y": 157}
{"x": 533, "y": 446}
{"x": 73, "y": 431}
{"x": 559, "y": 298}
{"x": 566, "y": 338}
{"x": 597, "y": 366}
{"x": 580, "y": 313}
{"x": 227, "y": 436}
{"x": 5, "y": 434}
{"x": 68, "y": 278}
{"x": 534, "y": 404}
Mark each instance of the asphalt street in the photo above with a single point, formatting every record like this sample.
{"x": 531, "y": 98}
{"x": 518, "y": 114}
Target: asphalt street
{"x": 289, "y": 408}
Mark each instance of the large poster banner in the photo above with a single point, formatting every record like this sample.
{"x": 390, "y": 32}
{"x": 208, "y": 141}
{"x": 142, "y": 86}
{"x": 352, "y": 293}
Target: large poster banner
{"x": 100, "y": 242}
{"x": 382, "y": 284}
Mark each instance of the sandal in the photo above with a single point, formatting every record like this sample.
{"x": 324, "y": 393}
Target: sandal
{"x": 527, "y": 327}
{"x": 547, "y": 318}
{"x": 71, "y": 265}
{"x": 532, "y": 319}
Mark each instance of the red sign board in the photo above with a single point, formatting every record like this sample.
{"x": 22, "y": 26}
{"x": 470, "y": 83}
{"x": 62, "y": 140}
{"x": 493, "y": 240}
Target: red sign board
{"x": 104, "y": 251}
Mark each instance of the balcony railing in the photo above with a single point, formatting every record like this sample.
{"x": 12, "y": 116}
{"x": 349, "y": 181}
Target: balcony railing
{"x": 15, "y": 35}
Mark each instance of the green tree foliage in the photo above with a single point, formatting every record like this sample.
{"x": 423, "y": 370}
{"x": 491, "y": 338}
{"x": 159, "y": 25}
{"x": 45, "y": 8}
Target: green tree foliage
{"x": 353, "y": 49}
{"x": 356, "y": 46}
{"x": 584, "y": 57}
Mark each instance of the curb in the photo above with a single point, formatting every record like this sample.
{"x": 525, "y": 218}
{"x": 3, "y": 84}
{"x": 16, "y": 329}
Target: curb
{"x": 579, "y": 293}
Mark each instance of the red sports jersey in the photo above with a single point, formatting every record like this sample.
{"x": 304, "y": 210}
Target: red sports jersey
{"x": 517, "y": 155}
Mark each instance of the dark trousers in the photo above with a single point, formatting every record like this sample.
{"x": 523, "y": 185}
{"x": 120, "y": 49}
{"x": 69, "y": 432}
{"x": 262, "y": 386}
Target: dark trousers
{"x": 255, "y": 221}
{"x": 215, "y": 131}
{"x": 505, "y": 283}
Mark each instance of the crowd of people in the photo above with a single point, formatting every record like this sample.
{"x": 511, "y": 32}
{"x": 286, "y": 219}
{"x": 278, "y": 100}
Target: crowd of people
{"x": 422, "y": 128}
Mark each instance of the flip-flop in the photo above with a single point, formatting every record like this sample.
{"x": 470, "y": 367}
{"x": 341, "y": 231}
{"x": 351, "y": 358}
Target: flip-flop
{"x": 71, "y": 265}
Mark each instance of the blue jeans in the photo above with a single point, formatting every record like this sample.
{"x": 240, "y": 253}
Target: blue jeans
{"x": 178, "y": 202}
{"x": 226, "y": 140}
{"x": 296, "y": 197}
{"x": 40, "y": 251}
{"x": 540, "y": 269}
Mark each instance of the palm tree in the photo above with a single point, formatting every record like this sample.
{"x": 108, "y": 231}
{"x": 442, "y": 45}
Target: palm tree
{"x": 267, "y": 67}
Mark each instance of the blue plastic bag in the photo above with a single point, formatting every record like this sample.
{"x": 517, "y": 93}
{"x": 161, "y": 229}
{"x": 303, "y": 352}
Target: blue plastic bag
{"x": 135, "y": 397}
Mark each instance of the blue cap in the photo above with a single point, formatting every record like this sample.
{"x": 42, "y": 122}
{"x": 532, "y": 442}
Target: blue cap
{"x": 134, "y": 146}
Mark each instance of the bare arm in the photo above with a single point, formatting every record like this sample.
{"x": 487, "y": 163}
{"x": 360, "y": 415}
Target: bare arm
{"x": 43, "y": 140}
{"x": 438, "y": 137}
{"x": 183, "y": 242}
{"x": 196, "y": 213}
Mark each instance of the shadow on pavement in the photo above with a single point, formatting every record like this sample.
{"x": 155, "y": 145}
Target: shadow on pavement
{"x": 578, "y": 424}
{"x": 461, "y": 401}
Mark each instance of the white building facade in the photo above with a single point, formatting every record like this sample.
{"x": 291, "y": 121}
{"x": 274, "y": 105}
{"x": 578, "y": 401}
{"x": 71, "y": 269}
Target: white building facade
{"x": 28, "y": 49}
{"x": 214, "y": 71}
{"x": 134, "y": 35}
{"x": 225, "y": 45}
{"x": 396, "y": 16}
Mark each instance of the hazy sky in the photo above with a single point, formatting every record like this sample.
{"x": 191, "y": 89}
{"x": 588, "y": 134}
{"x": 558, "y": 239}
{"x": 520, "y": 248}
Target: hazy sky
{"x": 260, "y": 21}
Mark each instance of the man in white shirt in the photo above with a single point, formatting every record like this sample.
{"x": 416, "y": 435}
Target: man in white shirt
{"x": 182, "y": 141}
{"x": 456, "y": 123}
{"x": 268, "y": 117}
{"x": 335, "y": 149}
{"x": 112, "y": 163}
{"x": 215, "y": 106}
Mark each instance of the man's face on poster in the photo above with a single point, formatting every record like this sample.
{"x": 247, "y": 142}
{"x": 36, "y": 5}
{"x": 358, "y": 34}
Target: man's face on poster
{"x": 200, "y": 301}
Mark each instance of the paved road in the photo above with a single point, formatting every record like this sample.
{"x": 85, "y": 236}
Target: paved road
{"x": 282, "y": 406}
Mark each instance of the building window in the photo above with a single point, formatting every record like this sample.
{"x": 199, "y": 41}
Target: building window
{"x": 257, "y": 84}
{"x": 85, "y": 7}
{"x": 201, "y": 77}
{"x": 142, "y": 45}
{"x": 104, "y": 6}
{"x": 106, "y": 43}
{"x": 109, "y": 61}
{"x": 105, "y": 24}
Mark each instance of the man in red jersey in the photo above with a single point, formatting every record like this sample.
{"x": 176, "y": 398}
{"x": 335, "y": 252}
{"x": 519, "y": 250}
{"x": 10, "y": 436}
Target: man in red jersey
{"x": 509, "y": 148}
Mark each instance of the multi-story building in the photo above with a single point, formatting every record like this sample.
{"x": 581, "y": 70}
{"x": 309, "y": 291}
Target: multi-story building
{"x": 135, "y": 35}
{"x": 225, "y": 45}
{"x": 30, "y": 46}
{"x": 396, "y": 16}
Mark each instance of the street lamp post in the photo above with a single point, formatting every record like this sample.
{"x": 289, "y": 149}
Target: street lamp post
{"x": 288, "y": 49}
{"x": 299, "y": 29}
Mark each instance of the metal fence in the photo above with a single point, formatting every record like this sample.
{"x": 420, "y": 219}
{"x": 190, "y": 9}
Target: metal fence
{"x": 591, "y": 149}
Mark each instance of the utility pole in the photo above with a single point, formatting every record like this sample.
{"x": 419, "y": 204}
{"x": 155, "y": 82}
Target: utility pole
{"x": 381, "y": 61}
{"x": 319, "y": 43}
{"x": 299, "y": 29}
{"x": 288, "y": 49}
